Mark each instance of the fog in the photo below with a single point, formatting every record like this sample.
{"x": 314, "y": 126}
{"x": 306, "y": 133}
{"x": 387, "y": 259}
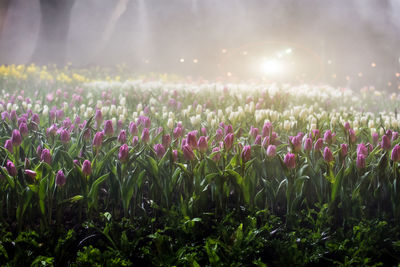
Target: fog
{"x": 332, "y": 41}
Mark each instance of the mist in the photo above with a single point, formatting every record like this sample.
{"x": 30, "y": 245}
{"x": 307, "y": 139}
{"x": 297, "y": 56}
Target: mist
{"x": 333, "y": 41}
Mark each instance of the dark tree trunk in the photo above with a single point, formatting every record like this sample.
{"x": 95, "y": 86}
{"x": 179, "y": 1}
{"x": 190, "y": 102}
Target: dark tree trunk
{"x": 53, "y": 34}
{"x": 4, "y": 4}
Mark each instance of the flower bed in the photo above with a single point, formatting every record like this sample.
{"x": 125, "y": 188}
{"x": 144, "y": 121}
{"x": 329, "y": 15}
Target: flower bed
{"x": 160, "y": 172}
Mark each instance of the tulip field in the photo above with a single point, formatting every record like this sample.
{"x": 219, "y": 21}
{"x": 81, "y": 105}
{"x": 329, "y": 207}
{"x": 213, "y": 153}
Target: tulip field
{"x": 100, "y": 167}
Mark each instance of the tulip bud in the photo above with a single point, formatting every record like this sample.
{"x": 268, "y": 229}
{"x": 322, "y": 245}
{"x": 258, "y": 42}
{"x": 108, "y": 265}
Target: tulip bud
{"x": 395, "y": 135}
{"x": 160, "y": 150}
{"x": 375, "y": 138}
{"x": 16, "y": 138}
{"x": 123, "y": 153}
{"x": 87, "y": 167}
{"x": 133, "y": 130}
{"x": 11, "y": 169}
{"x": 191, "y": 139}
{"x": 65, "y": 137}
{"x": 98, "y": 117}
{"x": 228, "y": 141}
{"x": 267, "y": 129}
{"x": 344, "y": 149}
{"x": 46, "y": 156}
{"x": 9, "y": 146}
{"x": 203, "y": 131}
{"x": 362, "y": 149}
{"x": 178, "y": 131}
{"x": 145, "y": 135}
{"x": 265, "y": 142}
{"x": 108, "y": 128}
{"x": 308, "y": 144}
{"x": 98, "y": 140}
{"x": 271, "y": 151}
{"x": 318, "y": 144}
{"x": 328, "y": 137}
{"x": 290, "y": 161}
{"x": 360, "y": 163}
{"x": 296, "y": 142}
{"x": 253, "y": 131}
{"x": 188, "y": 153}
{"x": 395, "y": 153}
{"x": 352, "y": 136}
{"x": 389, "y": 133}
{"x": 246, "y": 153}
{"x": 60, "y": 179}
{"x": 328, "y": 156}
{"x": 122, "y": 137}
{"x": 229, "y": 129}
{"x": 166, "y": 140}
{"x": 385, "y": 143}
{"x": 347, "y": 125}
{"x": 174, "y": 155}
{"x": 23, "y": 129}
{"x": 31, "y": 174}
{"x": 202, "y": 144}
{"x": 257, "y": 141}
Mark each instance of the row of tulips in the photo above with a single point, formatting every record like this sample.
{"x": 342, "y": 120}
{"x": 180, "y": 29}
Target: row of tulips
{"x": 83, "y": 168}
{"x": 137, "y": 148}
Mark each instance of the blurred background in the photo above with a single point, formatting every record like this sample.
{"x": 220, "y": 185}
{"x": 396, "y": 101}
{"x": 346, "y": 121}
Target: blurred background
{"x": 351, "y": 43}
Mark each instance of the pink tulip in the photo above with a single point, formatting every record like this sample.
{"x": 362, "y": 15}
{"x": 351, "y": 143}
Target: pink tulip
{"x": 271, "y": 151}
{"x": 395, "y": 153}
{"x": 123, "y": 153}
{"x": 122, "y": 137}
{"x": 160, "y": 150}
{"x": 145, "y": 135}
{"x": 60, "y": 179}
{"x": 318, "y": 144}
{"x": 328, "y": 156}
{"x": 87, "y": 167}
{"x": 308, "y": 144}
{"x": 246, "y": 153}
{"x": 16, "y": 138}
{"x": 290, "y": 161}
{"x": 188, "y": 153}
{"x": 202, "y": 144}
{"x": 228, "y": 141}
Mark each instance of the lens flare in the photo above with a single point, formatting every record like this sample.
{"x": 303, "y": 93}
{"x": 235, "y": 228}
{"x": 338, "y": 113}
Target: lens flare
{"x": 272, "y": 67}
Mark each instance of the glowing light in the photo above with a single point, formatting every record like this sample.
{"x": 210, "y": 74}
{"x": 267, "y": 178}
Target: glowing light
{"x": 229, "y": 74}
{"x": 329, "y": 62}
{"x": 389, "y": 84}
{"x": 224, "y": 51}
{"x": 272, "y": 67}
{"x": 360, "y": 74}
{"x": 397, "y": 74}
{"x": 195, "y": 61}
{"x": 347, "y": 78}
{"x": 373, "y": 64}
{"x": 244, "y": 53}
{"x": 288, "y": 51}
{"x": 334, "y": 76}
{"x": 182, "y": 60}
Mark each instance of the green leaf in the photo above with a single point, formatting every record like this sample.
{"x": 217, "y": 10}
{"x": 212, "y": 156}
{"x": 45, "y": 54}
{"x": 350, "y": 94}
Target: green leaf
{"x": 99, "y": 167}
{"x": 73, "y": 199}
{"x": 94, "y": 190}
{"x": 337, "y": 184}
